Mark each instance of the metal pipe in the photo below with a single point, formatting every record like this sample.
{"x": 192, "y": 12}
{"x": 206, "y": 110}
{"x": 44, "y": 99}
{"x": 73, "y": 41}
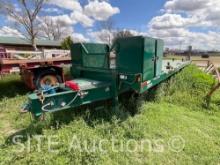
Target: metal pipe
{"x": 61, "y": 108}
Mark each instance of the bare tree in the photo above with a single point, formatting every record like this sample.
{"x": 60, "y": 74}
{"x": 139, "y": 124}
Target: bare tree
{"x": 53, "y": 29}
{"x": 109, "y": 24}
{"x": 108, "y": 29}
{"x": 25, "y": 15}
{"x": 122, "y": 34}
{"x": 108, "y": 32}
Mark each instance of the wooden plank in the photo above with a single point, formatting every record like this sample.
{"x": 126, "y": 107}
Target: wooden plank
{"x": 216, "y": 87}
{"x": 218, "y": 74}
{"x": 24, "y": 52}
{"x": 11, "y": 62}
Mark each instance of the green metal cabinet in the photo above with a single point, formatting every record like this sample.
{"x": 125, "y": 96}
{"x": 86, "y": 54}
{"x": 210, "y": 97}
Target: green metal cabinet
{"x": 159, "y": 56}
{"x": 148, "y": 69}
{"x": 90, "y": 55}
{"x": 129, "y": 52}
{"x": 87, "y": 57}
{"x": 140, "y": 55}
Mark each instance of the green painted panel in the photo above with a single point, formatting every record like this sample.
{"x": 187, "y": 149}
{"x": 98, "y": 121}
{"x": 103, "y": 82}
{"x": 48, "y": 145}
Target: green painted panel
{"x": 137, "y": 55}
{"x": 149, "y": 56}
{"x": 159, "y": 56}
{"x": 95, "y": 55}
{"x": 63, "y": 100}
{"x": 90, "y": 55}
{"x": 130, "y": 55}
{"x": 76, "y": 56}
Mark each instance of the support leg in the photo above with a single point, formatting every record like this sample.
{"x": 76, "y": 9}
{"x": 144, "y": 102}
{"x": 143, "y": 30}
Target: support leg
{"x": 115, "y": 104}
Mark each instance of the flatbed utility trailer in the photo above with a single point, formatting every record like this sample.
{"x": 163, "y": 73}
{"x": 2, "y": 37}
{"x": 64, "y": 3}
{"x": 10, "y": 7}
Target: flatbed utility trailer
{"x": 35, "y": 71}
{"x": 103, "y": 73}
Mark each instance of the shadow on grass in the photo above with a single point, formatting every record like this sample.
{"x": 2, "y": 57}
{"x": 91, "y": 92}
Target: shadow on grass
{"x": 11, "y": 87}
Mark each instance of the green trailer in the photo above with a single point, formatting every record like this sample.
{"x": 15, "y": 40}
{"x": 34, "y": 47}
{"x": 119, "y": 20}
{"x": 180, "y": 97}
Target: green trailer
{"x": 133, "y": 64}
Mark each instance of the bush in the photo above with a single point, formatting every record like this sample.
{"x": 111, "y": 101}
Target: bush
{"x": 67, "y": 42}
{"x": 188, "y": 88}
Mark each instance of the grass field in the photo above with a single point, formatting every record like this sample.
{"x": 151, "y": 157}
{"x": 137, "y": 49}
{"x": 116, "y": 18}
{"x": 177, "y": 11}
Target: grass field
{"x": 169, "y": 125}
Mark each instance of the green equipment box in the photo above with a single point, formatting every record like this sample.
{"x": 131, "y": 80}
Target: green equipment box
{"x": 140, "y": 55}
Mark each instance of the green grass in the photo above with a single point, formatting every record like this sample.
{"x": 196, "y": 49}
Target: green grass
{"x": 175, "y": 109}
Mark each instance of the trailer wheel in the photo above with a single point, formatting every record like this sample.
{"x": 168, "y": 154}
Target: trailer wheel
{"x": 48, "y": 77}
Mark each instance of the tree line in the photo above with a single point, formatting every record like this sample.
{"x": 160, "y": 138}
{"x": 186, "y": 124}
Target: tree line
{"x": 26, "y": 17}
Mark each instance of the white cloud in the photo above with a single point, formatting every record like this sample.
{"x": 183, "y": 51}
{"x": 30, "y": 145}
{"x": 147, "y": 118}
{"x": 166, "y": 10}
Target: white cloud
{"x": 206, "y": 11}
{"x": 67, "y": 4}
{"x": 94, "y": 10}
{"x": 174, "y": 32}
{"x": 100, "y": 10}
{"x": 182, "y": 38}
{"x": 64, "y": 19}
{"x": 213, "y": 17}
{"x": 174, "y": 25}
{"x": 78, "y": 37}
{"x": 52, "y": 10}
{"x": 73, "y": 18}
{"x": 82, "y": 18}
{"x": 185, "y": 5}
{"x": 103, "y": 36}
{"x": 7, "y": 31}
{"x": 171, "y": 21}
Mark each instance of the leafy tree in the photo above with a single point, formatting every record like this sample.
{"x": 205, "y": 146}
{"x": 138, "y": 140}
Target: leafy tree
{"x": 67, "y": 42}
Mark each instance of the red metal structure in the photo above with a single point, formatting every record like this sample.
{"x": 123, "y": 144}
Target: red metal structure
{"x": 34, "y": 72}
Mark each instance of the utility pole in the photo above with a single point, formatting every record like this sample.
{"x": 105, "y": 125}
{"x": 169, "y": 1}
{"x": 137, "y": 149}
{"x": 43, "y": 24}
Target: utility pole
{"x": 189, "y": 52}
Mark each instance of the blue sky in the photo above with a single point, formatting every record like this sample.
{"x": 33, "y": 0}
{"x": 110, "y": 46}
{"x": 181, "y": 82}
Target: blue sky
{"x": 132, "y": 15}
{"x": 135, "y": 14}
{"x": 177, "y": 22}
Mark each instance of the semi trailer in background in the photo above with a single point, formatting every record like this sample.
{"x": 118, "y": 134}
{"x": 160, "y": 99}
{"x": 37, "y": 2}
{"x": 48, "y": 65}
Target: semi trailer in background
{"x": 35, "y": 67}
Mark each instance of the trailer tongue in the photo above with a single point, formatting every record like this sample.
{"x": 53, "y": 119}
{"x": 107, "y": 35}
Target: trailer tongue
{"x": 103, "y": 73}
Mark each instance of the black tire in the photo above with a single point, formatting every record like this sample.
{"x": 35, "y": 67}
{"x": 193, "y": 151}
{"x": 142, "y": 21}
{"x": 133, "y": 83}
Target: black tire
{"x": 48, "y": 73}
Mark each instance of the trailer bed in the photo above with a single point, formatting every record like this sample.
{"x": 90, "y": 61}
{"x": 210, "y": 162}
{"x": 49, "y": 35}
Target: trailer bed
{"x": 175, "y": 64}
{"x": 174, "y": 67}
